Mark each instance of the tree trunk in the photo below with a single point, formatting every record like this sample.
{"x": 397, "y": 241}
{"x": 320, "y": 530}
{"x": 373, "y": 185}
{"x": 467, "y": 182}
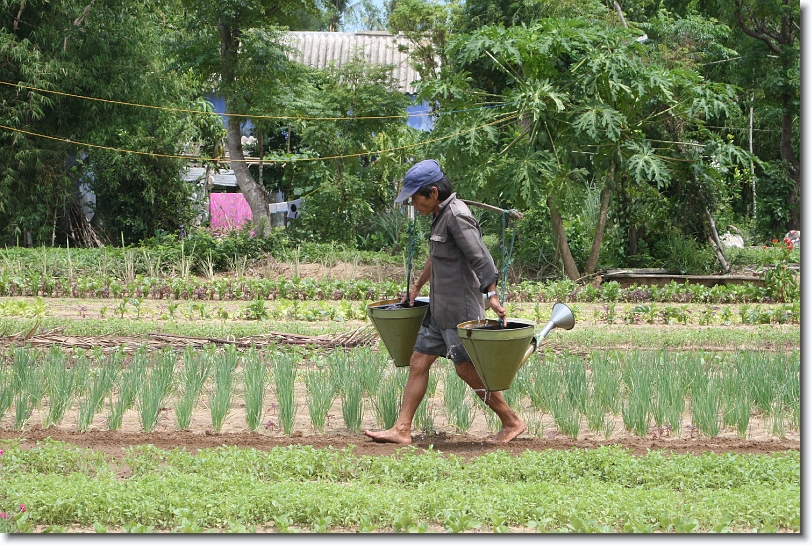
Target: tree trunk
{"x": 597, "y": 240}
{"x": 255, "y": 195}
{"x": 563, "y": 246}
{"x": 794, "y": 167}
{"x": 633, "y": 249}
{"x": 713, "y": 238}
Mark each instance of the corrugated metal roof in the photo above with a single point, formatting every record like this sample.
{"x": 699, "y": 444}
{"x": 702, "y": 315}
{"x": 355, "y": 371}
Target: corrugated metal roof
{"x": 319, "y": 49}
{"x": 225, "y": 178}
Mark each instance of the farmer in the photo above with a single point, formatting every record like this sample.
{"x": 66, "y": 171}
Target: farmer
{"x": 461, "y": 270}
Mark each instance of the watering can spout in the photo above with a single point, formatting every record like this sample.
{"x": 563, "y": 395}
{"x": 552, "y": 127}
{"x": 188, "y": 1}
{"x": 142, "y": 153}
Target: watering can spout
{"x": 561, "y": 317}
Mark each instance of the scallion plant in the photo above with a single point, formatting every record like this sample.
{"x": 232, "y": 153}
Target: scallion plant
{"x": 371, "y": 366}
{"x": 6, "y": 389}
{"x": 197, "y": 367}
{"x": 427, "y": 409}
{"x": 706, "y": 406}
{"x": 131, "y": 381}
{"x": 255, "y": 376}
{"x": 285, "y": 366}
{"x": 387, "y": 399}
{"x": 28, "y": 384}
{"x": 60, "y": 384}
{"x": 459, "y": 410}
{"x": 156, "y": 388}
{"x": 320, "y": 396}
{"x": 637, "y": 406}
{"x": 350, "y": 389}
{"x": 101, "y": 384}
{"x": 220, "y": 397}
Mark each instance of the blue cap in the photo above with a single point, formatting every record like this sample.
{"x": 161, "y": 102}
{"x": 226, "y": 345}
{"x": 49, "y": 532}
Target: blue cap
{"x": 422, "y": 173}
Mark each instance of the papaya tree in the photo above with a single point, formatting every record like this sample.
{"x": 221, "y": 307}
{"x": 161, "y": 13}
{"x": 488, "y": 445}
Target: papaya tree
{"x": 589, "y": 102}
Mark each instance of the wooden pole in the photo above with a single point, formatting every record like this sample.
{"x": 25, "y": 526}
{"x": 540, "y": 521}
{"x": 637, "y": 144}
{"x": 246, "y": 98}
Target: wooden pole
{"x": 513, "y": 214}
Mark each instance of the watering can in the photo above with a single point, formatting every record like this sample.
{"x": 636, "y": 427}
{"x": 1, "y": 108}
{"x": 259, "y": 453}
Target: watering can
{"x": 499, "y": 352}
{"x": 398, "y": 325}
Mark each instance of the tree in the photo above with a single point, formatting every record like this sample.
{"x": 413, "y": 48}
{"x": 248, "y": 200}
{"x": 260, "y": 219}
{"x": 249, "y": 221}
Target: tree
{"x": 770, "y": 71}
{"x": 427, "y": 26}
{"x": 591, "y": 103}
{"x": 54, "y": 53}
{"x": 235, "y": 44}
{"x": 365, "y": 105}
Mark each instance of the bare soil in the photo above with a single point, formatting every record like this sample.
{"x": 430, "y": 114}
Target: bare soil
{"x": 235, "y": 432}
{"x": 113, "y": 443}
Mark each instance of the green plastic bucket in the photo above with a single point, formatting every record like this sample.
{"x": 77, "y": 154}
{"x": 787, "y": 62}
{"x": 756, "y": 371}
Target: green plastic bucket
{"x": 398, "y": 327}
{"x": 498, "y": 353}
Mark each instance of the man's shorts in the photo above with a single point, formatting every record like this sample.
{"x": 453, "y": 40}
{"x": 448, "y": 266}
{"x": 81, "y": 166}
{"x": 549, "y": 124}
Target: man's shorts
{"x": 440, "y": 342}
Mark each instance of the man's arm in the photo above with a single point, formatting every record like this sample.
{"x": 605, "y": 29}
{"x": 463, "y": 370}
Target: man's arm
{"x": 495, "y": 304}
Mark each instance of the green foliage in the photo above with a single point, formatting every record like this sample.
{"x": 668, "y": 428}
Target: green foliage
{"x": 684, "y": 255}
{"x": 576, "y": 490}
{"x": 137, "y": 196}
{"x": 37, "y": 53}
{"x": 344, "y": 194}
{"x": 780, "y": 281}
{"x": 222, "y": 251}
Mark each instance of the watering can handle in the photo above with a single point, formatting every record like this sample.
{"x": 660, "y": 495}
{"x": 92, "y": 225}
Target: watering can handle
{"x": 534, "y": 343}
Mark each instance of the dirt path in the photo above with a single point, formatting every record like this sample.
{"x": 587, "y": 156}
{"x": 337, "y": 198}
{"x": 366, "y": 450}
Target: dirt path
{"x": 113, "y": 443}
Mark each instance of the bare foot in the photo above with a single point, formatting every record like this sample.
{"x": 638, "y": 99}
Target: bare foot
{"x": 389, "y": 436}
{"x": 508, "y": 434}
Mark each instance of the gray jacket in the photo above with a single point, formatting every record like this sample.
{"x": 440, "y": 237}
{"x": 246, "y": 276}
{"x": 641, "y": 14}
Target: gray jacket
{"x": 461, "y": 266}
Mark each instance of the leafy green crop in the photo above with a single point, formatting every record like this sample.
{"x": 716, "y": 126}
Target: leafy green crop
{"x": 301, "y": 488}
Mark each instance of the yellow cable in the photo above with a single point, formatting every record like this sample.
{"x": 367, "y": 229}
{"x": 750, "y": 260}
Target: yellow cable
{"x": 184, "y": 110}
{"x": 257, "y": 116}
{"x": 505, "y": 117}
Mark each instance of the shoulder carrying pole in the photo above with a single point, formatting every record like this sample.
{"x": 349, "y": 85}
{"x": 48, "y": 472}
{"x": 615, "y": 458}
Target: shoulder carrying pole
{"x": 512, "y": 213}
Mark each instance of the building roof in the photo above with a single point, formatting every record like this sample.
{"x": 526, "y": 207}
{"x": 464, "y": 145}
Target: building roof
{"x": 320, "y": 49}
{"x": 225, "y": 178}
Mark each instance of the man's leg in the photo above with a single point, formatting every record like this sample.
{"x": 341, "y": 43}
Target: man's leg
{"x": 413, "y": 393}
{"x": 512, "y": 425}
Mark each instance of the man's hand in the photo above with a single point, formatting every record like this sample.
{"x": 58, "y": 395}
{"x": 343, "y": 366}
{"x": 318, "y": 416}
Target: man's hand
{"x": 497, "y": 307}
{"x": 411, "y": 296}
